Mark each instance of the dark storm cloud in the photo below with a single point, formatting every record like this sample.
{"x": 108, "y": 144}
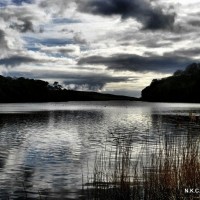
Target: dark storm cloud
{"x": 81, "y": 78}
{"x": 16, "y": 60}
{"x": 151, "y": 17}
{"x": 130, "y": 62}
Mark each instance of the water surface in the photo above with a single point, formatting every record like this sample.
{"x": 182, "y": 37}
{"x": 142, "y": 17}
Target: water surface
{"x": 46, "y": 147}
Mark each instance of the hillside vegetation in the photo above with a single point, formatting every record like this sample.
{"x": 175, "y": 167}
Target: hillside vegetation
{"x": 183, "y": 86}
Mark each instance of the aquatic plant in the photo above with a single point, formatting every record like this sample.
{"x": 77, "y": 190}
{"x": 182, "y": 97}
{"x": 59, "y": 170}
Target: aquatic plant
{"x": 170, "y": 170}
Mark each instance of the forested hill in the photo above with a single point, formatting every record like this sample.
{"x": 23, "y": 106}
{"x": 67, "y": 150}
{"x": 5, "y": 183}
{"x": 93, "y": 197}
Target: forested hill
{"x": 30, "y": 90}
{"x": 183, "y": 86}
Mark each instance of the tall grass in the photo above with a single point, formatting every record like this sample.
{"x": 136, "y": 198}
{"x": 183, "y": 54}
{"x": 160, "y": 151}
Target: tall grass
{"x": 167, "y": 171}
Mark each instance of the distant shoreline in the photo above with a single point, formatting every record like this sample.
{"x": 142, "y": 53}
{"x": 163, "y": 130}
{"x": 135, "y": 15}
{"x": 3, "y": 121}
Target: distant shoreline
{"x": 141, "y": 101}
{"x": 23, "y": 90}
{"x": 72, "y": 101}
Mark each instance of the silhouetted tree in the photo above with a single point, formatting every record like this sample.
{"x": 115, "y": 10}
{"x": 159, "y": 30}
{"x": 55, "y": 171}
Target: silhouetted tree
{"x": 57, "y": 86}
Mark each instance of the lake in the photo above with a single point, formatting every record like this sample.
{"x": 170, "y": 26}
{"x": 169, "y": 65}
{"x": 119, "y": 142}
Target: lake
{"x": 45, "y": 148}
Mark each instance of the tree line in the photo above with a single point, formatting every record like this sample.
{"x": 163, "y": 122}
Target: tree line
{"x": 30, "y": 90}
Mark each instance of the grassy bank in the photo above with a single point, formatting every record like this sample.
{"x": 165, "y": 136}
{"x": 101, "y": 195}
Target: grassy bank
{"x": 167, "y": 170}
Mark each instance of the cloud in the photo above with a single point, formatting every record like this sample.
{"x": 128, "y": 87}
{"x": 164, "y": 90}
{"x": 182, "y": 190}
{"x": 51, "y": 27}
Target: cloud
{"x": 78, "y": 39}
{"x": 59, "y": 6}
{"x": 23, "y": 18}
{"x": 23, "y": 27}
{"x": 155, "y": 43}
{"x": 191, "y": 52}
{"x": 152, "y": 17}
{"x": 16, "y": 21}
{"x": 16, "y": 60}
{"x": 130, "y": 62}
{"x": 64, "y": 50}
{"x": 36, "y": 58}
{"x": 194, "y": 23}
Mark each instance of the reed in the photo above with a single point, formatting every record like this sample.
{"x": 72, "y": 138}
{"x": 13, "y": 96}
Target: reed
{"x": 164, "y": 172}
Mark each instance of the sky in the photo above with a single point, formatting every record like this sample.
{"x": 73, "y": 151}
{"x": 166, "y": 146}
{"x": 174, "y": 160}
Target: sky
{"x": 110, "y": 46}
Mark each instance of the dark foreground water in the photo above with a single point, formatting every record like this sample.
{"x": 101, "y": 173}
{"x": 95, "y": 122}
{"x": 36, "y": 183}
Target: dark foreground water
{"x": 45, "y": 148}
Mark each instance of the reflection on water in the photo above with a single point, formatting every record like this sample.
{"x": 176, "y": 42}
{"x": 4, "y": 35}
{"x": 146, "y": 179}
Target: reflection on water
{"x": 45, "y": 148}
